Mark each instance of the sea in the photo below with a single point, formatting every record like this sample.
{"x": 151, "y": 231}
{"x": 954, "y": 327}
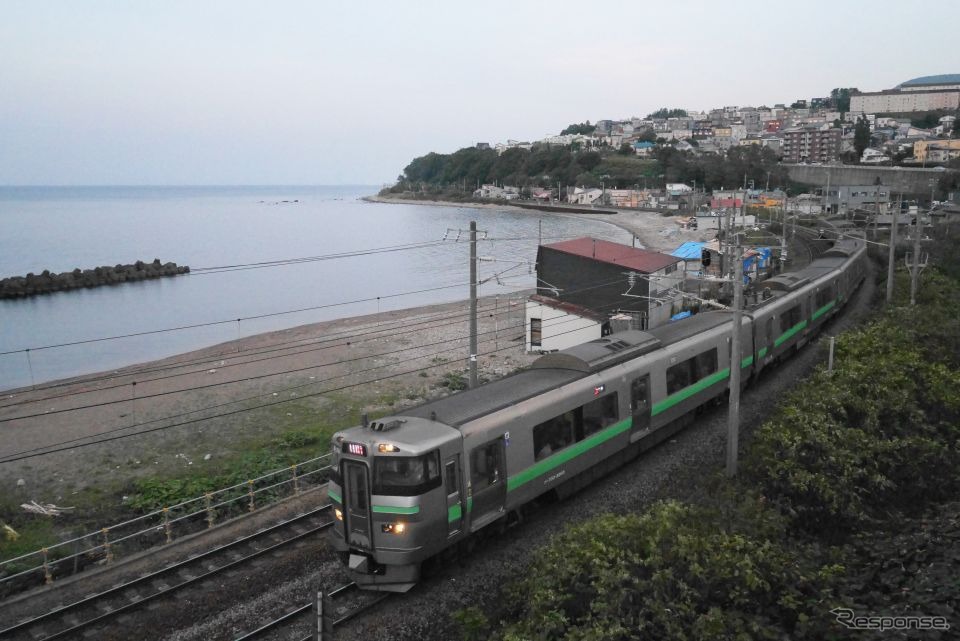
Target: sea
{"x": 263, "y": 258}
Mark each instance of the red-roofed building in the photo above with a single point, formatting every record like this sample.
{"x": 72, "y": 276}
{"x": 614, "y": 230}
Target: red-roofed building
{"x": 587, "y": 279}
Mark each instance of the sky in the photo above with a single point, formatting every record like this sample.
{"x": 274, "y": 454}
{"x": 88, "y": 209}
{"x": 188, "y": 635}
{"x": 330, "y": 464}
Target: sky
{"x": 173, "y": 92}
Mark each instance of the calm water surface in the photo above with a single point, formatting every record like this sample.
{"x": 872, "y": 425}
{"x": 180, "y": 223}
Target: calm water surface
{"x": 61, "y": 228}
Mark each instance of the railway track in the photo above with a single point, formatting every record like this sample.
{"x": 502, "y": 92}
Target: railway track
{"x": 340, "y": 606}
{"x": 99, "y": 610}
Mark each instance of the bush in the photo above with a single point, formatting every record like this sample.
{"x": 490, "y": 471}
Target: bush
{"x": 881, "y": 432}
{"x": 676, "y": 572}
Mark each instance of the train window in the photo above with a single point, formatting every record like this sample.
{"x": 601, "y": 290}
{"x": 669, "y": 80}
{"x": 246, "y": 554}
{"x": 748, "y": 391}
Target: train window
{"x": 536, "y": 332}
{"x": 770, "y": 331}
{"x": 639, "y": 396}
{"x": 406, "y": 475}
{"x": 485, "y": 466}
{"x": 553, "y": 435}
{"x": 705, "y": 364}
{"x": 679, "y": 376}
{"x": 452, "y": 477}
{"x": 824, "y": 296}
{"x": 600, "y": 413}
{"x": 789, "y": 318}
{"x": 688, "y": 372}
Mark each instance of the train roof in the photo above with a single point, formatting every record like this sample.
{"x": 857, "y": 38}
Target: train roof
{"x": 458, "y": 409}
{"x": 682, "y": 329}
{"x": 601, "y": 352}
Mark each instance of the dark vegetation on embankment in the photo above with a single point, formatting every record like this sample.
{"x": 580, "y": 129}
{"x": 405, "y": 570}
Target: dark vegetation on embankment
{"x": 846, "y": 505}
{"x": 48, "y": 282}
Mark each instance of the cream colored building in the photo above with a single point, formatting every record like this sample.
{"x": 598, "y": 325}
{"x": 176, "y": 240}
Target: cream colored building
{"x": 897, "y": 101}
{"x": 936, "y": 150}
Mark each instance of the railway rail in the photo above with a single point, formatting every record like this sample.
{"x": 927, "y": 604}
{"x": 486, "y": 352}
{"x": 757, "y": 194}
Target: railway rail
{"x": 101, "y": 608}
{"x": 340, "y": 605}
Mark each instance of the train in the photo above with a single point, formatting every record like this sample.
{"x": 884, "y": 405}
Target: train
{"x": 407, "y": 487}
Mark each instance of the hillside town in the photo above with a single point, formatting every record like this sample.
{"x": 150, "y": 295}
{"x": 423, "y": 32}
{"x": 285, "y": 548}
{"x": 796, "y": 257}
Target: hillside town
{"x": 815, "y": 130}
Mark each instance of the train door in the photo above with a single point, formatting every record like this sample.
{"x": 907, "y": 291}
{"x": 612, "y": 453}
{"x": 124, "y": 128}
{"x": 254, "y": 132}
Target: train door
{"x": 357, "y": 504}
{"x": 640, "y": 403}
{"x": 451, "y": 479}
{"x": 488, "y": 486}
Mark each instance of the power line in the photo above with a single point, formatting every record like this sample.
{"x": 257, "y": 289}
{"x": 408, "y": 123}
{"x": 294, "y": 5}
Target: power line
{"x": 286, "y": 347}
{"x": 200, "y": 271}
{"x": 219, "y": 384}
{"x": 234, "y": 320}
{"x": 222, "y": 383}
{"x": 37, "y": 451}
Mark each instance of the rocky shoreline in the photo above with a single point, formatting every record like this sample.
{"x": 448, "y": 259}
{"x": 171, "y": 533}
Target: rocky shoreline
{"x": 48, "y": 282}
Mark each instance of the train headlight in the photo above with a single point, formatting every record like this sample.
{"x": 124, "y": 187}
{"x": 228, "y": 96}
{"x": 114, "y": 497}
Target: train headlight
{"x": 387, "y": 447}
{"x": 393, "y": 528}
{"x": 338, "y": 513}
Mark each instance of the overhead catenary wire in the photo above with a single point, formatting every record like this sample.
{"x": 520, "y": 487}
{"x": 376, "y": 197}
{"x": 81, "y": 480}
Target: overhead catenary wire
{"x": 74, "y": 443}
{"x": 200, "y": 271}
{"x": 289, "y": 348}
{"x": 215, "y": 269}
{"x": 220, "y": 383}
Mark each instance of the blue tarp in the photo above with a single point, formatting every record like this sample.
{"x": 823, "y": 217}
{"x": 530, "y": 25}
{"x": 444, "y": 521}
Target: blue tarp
{"x": 689, "y": 251}
{"x": 763, "y": 258}
{"x": 677, "y": 317}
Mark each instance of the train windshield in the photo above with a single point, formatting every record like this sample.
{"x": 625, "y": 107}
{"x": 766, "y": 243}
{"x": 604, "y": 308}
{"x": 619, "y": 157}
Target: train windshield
{"x": 406, "y": 475}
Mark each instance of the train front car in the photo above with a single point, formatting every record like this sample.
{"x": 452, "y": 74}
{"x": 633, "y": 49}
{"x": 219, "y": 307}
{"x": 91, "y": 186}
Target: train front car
{"x": 391, "y": 500}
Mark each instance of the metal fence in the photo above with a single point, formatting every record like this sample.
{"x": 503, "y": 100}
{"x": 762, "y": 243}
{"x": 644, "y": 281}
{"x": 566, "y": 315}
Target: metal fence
{"x": 163, "y": 526}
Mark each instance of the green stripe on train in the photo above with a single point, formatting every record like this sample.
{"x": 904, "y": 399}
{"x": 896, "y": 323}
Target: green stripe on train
{"x": 575, "y": 450}
{"x": 787, "y": 335}
{"x": 393, "y": 509}
{"x": 823, "y": 310}
{"x": 687, "y": 392}
{"x": 333, "y": 496}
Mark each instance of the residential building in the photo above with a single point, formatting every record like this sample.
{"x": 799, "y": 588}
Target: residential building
{"x": 585, "y": 196}
{"x": 552, "y": 324}
{"x": 873, "y": 156}
{"x": 811, "y": 144}
{"x": 841, "y": 199}
{"x": 678, "y": 189}
{"x": 606, "y": 279}
{"x": 936, "y": 150}
{"x": 498, "y": 193}
{"x": 643, "y": 148}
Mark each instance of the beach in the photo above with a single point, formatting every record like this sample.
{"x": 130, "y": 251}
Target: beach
{"x": 652, "y": 229}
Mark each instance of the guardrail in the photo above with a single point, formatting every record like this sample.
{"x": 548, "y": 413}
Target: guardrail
{"x": 160, "y": 527}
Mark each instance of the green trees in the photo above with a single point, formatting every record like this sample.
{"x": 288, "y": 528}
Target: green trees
{"x": 840, "y": 98}
{"x": 546, "y": 165}
{"x": 861, "y": 136}
{"x": 584, "y": 128}
{"x": 663, "y": 112}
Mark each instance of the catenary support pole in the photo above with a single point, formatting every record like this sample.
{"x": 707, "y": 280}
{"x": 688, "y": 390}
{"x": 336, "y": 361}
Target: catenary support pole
{"x": 473, "y": 304}
{"x": 891, "y": 268}
{"x": 733, "y": 416}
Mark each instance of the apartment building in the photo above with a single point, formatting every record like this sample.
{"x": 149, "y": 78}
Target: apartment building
{"x": 810, "y": 144}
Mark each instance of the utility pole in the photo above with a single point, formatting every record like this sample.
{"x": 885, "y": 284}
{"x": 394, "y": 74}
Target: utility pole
{"x": 473, "y": 304}
{"x": 733, "y": 416}
{"x": 893, "y": 251}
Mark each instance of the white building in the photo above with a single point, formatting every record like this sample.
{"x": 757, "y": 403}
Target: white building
{"x": 552, "y": 325}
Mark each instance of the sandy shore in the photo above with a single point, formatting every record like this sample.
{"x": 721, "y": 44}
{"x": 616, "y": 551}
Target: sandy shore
{"x": 653, "y": 230}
